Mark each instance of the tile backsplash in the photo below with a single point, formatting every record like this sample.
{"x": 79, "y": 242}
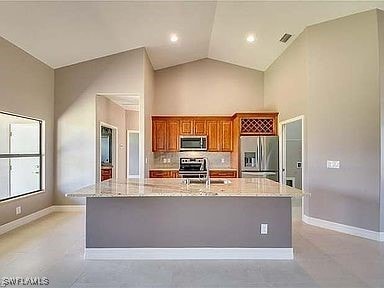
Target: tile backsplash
{"x": 171, "y": 159}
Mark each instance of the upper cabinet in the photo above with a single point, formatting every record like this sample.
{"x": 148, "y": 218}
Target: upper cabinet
{"x": 199, "y": 127}
{"x": 220, "y": 135}
{"x": 166, "y": 132}
{"x": 213, "y": 136}
{"x": 159, "y": 135}
{"x": 222, "y": 132}
{"x": 186, "y": 126}
{"x": 173, "y": 134}
{"x": 226, "y": 135}
{"x": 257, "y": 124}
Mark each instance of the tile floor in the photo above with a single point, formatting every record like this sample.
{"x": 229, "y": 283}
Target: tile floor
{"x": 53, "y": 247}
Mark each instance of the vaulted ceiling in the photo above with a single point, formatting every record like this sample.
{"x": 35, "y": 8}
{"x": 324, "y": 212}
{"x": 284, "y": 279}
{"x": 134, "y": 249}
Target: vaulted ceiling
{"x": 64, "y": 33}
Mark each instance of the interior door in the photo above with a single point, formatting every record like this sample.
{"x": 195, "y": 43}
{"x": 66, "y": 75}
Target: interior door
{"x": 133, "y": 154}
{"x": 24, "y": 171}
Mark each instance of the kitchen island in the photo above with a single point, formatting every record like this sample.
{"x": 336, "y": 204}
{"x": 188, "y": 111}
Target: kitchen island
{"x": 168, "y": 219}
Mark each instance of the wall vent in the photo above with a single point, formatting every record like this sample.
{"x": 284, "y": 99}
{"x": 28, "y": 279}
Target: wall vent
{"x": 285, "y": 38}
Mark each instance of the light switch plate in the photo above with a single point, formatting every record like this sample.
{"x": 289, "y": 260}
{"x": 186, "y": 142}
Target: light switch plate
{"x": 331, "y": 164}
{"x": 264, "y": 228}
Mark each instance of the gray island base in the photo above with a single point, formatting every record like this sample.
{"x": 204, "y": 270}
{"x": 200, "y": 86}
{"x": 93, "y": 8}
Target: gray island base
{"x": 164, "y": 219}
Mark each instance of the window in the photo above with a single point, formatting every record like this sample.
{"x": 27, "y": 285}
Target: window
{"x": 20, "y": 156}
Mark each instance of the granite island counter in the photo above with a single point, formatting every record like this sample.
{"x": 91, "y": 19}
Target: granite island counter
{"x": 168, "y": 219}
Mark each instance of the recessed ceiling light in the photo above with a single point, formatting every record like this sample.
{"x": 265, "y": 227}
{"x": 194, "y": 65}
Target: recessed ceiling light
{"x": 174, "y": 38}
{"x": 251, "y": 38}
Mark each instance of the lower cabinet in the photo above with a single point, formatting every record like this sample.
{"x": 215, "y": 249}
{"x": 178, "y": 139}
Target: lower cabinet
{"x": 223, "y": 173}
{"x": 175, "y": 174}
{"x": 106, "y": 174}
{"x": 163, "y": 174}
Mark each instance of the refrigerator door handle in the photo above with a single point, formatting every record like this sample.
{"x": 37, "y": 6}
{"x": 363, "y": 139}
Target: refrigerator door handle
{"x": 257, "y": 154}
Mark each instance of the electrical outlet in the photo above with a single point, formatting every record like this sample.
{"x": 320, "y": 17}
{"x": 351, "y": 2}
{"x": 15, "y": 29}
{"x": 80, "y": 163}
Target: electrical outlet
{"x": 169, "y": 160}
{"x": 222, "y": 160}
{"x": 264, "y": 229}
{"x": 18, "y": 210}
{"x": 164, "y": 160}
{"x": 333, "y": 164}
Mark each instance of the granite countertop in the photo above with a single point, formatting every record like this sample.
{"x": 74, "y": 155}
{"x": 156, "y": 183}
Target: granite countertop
{"x": 174, "y": 187}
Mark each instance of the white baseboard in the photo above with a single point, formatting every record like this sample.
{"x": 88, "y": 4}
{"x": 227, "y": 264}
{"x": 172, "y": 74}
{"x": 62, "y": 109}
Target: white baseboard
{"x": 25, "y": 220}
{"x": 68, "y": 208}
{"x": 187, "y": 253}
{"x": 351, "y": 230}
{"x": 41, "y": 213}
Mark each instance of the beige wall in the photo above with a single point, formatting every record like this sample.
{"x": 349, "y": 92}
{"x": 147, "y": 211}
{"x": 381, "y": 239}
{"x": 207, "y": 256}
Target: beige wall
{"x": 380, "y": 18}
{"x": 207, "y": 87}
{"x": 149, "y": 90}
{"x": 132, "y": 120}
{"x": 76, "y": 87}
{"x": 27, "y": 89}
{"x": 344, "y": 120}
{"x": 341, "y": 110}
{"x": 110, "y": 113}
{"x": 285, "y": 81}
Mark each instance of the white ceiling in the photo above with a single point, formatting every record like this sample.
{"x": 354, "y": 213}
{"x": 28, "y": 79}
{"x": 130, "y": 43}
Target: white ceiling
{"x": 64, "y": 33}
{"x": 126, "y": 101}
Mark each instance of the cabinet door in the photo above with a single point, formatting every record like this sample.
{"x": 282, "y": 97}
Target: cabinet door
{"x": 186, "y": 126}
{"x": 175, "y": 174}
{"x": 222, "y": 174}
{"x": 200, "y": 127}
{"x": 226, "y": 135}
{"x": 173, "y": 132}
{"x": 159, "y": 135}
{"x": 160, "y": 174}
{"x": 213, "y": 135}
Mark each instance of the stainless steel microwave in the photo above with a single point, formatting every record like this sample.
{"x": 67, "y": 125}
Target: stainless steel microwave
{"x": 193, "y": 143}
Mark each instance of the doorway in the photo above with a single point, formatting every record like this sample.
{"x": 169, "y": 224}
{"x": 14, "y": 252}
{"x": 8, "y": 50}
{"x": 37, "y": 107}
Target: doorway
{"x": 133, "y": 147}
{"x": 108, "y": 152}
{"x": 292, "y": 157}
{"x": 123, "y": 111}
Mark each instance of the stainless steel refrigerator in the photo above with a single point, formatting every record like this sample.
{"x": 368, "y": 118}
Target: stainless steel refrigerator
{"x": 259, "y": 157}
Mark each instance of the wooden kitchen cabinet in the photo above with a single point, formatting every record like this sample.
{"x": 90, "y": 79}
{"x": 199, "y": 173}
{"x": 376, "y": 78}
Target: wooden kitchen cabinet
{"x": 223, "y": 173}
{"x": 159, "y": 135}
{"x": 226, "y": 135}
{"x": 106, "y": 173}
{"x": 186, "y": 126}
{"x": 173, "y": 134}
{"x": 199, "y": 127}
{"x": 220, "y": 135}
{"x": 163, "y": 174}
{"x": 213, "y": 135}
{"x": 166, "y": 132}
{"x": 160, "y": 174}
{"x": 257, "y": 124}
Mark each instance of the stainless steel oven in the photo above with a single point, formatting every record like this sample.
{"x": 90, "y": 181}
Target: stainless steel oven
{"x": 193, "y": 143}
